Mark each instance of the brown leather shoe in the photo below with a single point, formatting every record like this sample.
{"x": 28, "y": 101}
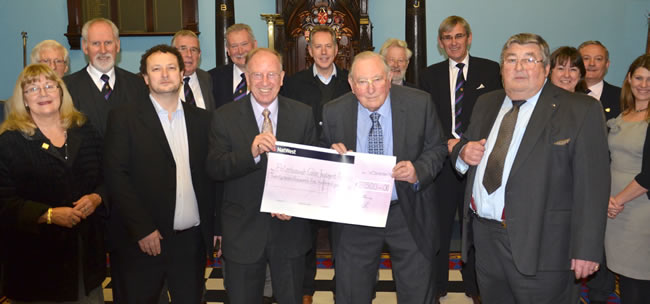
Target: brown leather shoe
{"x": 307, "y": 299}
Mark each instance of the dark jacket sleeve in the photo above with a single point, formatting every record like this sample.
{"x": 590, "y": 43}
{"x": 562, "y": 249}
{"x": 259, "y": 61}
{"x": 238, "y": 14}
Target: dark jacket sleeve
{"x": 643, "y": 178}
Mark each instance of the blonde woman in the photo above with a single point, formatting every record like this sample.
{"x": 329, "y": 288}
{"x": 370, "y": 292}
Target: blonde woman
{"x": 50, "y": 195}
{"x": 627, "y": 240}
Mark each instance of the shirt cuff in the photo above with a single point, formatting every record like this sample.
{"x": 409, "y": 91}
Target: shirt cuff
{"x": 461, "y": 165}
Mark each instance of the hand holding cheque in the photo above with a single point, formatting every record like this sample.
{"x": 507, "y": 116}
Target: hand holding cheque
{"x": 330, "y": 184}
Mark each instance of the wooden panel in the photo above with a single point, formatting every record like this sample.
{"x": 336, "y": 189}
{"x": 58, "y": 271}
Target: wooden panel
{"x": 133, "y": 17}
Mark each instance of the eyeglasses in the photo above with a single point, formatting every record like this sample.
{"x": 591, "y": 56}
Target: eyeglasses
{"x": 398, "y": 61}
{"x": 49, "y": 88}
{"x": 449, "y": 37}
{"x": 526, "y": 62}
{"x": 56, "y": 61}
{"x": 272, "y": 76}
{"x": 364, "y": 83}
{"x": 193, "y": 50}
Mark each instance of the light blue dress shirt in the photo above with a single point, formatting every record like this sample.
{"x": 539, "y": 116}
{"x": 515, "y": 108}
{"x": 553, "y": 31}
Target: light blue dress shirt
{"x": 324, "y": 80}
{"x": 364, "y": 124}
{"x": 490, "y": 206}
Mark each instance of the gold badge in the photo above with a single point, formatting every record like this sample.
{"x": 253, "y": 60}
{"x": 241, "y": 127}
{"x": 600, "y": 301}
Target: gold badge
{"x": 45, "y": 146}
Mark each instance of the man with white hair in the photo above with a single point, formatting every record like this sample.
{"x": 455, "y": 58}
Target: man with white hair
{"x": 101, "y": 85}
{"x": 52, "y": 53}
{"x": 397, "y": 55}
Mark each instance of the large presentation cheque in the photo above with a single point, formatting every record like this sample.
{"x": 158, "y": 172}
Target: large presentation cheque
{"x": 319, "y": 183}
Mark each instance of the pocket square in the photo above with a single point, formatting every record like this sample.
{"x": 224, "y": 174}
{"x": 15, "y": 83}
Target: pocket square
{"x": 562, "y": 142}
{"x": 481, "y": 87}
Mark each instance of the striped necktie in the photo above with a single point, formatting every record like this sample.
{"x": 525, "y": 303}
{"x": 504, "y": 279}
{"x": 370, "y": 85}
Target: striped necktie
{"x": 458, "y": 105}
{"x": 189, "y": 96}
{"x": 241, "y": 89}
{"x": 106, "y": 89}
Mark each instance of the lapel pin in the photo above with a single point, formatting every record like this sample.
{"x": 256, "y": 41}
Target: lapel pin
{"x": 45, "y": 146}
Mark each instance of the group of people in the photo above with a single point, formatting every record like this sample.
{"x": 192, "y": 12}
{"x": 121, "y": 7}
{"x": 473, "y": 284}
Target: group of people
{"x": 161, "y": 169}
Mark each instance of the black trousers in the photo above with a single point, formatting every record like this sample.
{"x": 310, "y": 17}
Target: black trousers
{"x": 140, "y": 277}
{"x": 500, "y": 281}
{"x": 634, "y": 291}
{"x": 357, "y": 254}
{"x": 246, "y": 281}
{"x": 450, "y": 189}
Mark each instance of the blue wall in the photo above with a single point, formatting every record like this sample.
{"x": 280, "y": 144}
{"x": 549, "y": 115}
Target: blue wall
{"x": 621, "y": 25}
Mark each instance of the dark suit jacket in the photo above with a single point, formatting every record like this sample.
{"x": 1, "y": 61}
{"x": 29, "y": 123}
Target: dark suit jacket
{"x": 88, "y": 99}
{"x": 222, "y": 84}
{"x": 558, "y": 189}
{"x": 247, "y": 232}
{"x": 417, "y": 137}
{"x": 481, "y": 73}
{"x": 205, "y": 82}
{"x": 304, "y": 87}
{"x": 140, "y": 173}
{"x": 611, "y": 100}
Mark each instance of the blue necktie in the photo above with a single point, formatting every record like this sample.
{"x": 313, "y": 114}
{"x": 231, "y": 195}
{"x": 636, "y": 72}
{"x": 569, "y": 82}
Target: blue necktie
{"x": 375, "y": 136}
{"x": 458, "y": 105}
{"x": 240, "y": 91}
{"x": 189, "y": 96}
{"x": 106, "y": 89}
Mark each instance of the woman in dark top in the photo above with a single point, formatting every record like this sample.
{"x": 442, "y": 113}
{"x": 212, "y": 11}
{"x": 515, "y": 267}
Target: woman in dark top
{"x": 50, "y": 195}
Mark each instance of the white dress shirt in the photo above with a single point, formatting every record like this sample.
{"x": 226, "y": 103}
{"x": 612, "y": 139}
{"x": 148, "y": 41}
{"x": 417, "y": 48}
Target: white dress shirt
{"x": 596, "y": 90}
{"x": 490, "y": 206}
{"x": 196, "y": 90}
{"x": 186, "y": 213}
{"x": 96, "y": 76}
{"x": 236, "y": 78}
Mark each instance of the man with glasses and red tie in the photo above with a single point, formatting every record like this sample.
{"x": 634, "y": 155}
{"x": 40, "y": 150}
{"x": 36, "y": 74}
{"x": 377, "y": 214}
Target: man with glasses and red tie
{"x": 538, "y": 180}
{"x": 241, "y": 132}
{"x": 101, "y": 86}
{"x": 229, "y": 83}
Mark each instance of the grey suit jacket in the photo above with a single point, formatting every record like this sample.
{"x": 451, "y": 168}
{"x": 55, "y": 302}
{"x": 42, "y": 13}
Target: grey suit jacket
{"x": 247, "y": 232}
{"x": 205, "y": 82}
{"x": 558, "y": 188}
{"x": 417, "y": 137}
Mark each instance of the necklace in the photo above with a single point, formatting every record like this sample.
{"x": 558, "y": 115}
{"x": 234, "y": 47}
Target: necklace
{"x": 65, "y": 145}
{"x": 639, "y": 111}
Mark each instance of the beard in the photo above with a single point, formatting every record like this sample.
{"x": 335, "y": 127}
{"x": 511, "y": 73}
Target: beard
{"x": 103, "y": 62}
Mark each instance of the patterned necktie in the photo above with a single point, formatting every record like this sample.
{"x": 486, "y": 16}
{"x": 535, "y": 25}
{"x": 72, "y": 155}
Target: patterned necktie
{"x": 106, "y": 89}
{"x": 189, "y": 96}
{"x": 375, "y": 136}
{"x": 241, "y": 89}
{"x": 458, "y": 105}
{"x": 267, "y": 125}
{"x": 494, "y": 169}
